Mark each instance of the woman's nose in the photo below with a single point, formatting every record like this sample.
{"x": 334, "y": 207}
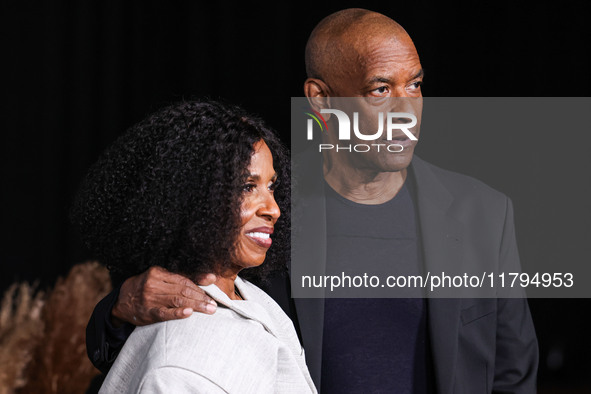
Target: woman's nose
{"x": 269, "y": 207}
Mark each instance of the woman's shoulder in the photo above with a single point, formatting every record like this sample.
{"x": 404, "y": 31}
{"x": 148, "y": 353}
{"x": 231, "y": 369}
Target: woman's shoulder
{"x": 258, "y": 320}
{"x": 224, "y": 328}
{"x": 245, "y": 338}
{"x": 205, "y": 345}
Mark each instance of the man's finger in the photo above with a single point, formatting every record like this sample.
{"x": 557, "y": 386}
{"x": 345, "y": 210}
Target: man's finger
{"x": 165, "y": 314}
{"x": 182, "y": 313}
{"x": 169, "y": 277}
{"x": 158, "y": 295}
{"x": 194, "y": 294}
{"x": 199, "y": 303}
{"x": 179, "y": 296}
{"x": 206, "y": 279}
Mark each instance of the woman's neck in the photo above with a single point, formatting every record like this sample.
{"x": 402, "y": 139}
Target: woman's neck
{"x": 226, "y": 284}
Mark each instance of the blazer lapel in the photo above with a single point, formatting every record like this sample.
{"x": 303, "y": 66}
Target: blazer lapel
{"x": 441, "y": 237}
{"x": 249, "y": 310}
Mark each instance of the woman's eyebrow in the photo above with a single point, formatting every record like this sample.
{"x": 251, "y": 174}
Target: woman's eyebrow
{"x": 256, "y": 177}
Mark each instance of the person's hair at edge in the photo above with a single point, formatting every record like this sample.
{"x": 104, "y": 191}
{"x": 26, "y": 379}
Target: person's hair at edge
{"x": 168, "y": 193}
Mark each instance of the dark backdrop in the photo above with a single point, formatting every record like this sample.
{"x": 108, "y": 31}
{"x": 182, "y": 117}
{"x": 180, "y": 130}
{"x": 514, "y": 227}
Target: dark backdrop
{"x": 77, "y": 74}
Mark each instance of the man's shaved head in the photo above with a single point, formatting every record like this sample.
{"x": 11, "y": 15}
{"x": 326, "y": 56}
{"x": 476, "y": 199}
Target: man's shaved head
{"x": 359, "y": 53}
{"x": 337, "y": 43}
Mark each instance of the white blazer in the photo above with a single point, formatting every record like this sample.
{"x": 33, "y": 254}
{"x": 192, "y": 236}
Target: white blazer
{"x": 245, "y": 347}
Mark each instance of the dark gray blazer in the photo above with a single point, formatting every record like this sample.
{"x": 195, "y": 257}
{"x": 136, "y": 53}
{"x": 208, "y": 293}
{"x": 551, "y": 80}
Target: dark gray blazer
{"x": 479, "y": 345}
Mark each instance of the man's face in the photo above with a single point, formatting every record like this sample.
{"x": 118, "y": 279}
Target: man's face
{"x": 386, "y": 74}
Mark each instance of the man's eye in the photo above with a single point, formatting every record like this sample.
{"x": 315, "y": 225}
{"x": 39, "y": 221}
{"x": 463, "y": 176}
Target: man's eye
{"x": 273, "y": 185}
{"x": 416, "y": 85}
{"x": 381, "y": 90}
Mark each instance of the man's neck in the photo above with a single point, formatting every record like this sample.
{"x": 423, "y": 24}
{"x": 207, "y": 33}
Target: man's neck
{"x": 364, "y": 186}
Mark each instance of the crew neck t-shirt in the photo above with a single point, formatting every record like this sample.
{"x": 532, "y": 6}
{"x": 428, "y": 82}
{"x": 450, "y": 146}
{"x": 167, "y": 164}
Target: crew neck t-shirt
{"x": 375, "y": 345}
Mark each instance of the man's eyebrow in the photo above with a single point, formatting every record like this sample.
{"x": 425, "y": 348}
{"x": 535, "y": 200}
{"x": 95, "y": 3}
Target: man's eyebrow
{"x": 379, "y": 79}
{"x": 420, "y": 74}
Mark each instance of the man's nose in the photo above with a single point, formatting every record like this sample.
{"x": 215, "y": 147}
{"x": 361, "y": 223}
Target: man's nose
{"x": 400, "y": 91}
{"x": 411, "y": 105}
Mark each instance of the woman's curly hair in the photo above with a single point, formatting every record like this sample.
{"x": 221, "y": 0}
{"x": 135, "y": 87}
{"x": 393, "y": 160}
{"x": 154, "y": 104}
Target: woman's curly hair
{"x": 168, "y": 193}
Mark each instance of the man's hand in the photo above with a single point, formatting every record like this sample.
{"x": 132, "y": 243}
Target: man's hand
{"x": 159, "y": 295}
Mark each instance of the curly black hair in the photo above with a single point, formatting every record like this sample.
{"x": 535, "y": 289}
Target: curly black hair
{"x": 168, "y": 193}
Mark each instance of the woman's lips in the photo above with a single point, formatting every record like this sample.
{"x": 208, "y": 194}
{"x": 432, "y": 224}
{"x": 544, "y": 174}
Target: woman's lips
{"x": 261, "y": 236}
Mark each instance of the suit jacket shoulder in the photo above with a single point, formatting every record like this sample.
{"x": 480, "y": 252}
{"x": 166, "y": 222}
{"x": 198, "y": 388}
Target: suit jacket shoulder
{"x": 460, "y": 186}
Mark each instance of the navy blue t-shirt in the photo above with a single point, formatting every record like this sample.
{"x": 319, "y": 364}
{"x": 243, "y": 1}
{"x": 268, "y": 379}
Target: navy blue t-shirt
{"x": 374, "y": 345}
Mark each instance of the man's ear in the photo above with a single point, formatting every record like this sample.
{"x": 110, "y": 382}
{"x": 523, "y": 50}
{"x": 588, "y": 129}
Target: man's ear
{"x": 318, "y": 94}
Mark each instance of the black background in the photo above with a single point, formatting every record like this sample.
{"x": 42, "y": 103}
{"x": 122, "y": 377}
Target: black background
{"x": 77, "y": 74}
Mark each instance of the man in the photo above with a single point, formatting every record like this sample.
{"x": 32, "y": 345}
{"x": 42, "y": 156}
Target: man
{"x": 376, "y": 345}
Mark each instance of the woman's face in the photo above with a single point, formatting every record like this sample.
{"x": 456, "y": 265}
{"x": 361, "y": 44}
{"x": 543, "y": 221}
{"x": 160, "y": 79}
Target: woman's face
{"x": 258, "y": 211}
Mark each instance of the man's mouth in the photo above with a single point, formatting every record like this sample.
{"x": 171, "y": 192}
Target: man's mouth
{"x": 402, "y": 140}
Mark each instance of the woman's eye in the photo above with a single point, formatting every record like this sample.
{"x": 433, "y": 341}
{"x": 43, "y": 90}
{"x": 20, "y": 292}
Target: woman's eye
{"x": 249, "y": 187}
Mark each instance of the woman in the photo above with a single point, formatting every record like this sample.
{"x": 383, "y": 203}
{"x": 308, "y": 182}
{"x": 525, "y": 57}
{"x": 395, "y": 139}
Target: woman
{"x": 195, "y": 188}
